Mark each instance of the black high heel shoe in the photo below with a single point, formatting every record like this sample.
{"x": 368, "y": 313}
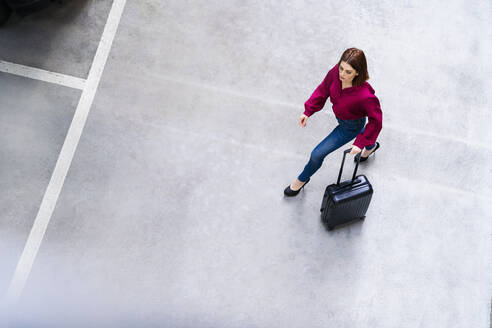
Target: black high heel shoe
{"x": 289, "y": 192}
{"x": 363, "y": 159}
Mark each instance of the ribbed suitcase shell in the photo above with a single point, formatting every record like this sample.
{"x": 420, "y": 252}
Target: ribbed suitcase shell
{"x": 346, "y": 202}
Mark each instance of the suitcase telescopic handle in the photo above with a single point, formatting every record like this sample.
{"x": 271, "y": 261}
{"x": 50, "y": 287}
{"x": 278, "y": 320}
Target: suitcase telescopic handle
{"x": 345, "y": 152}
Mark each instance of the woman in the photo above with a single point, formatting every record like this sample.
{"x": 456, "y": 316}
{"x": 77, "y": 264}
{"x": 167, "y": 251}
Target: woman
{"x": 353, "y": 99}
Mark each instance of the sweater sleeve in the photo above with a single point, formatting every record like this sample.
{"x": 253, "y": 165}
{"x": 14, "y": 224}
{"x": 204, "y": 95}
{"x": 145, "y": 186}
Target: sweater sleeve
{"x": 318, "y": 99}
{"x": 374, "y": 124}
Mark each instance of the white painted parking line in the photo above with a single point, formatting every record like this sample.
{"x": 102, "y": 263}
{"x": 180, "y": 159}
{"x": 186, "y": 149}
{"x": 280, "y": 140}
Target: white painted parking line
{"x": 42, "y": 75}
{"x": 55, "y": 185}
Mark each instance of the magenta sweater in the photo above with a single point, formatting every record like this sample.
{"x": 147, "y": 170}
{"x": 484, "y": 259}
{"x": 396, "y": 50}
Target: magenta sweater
{"x": 349, "y": 104}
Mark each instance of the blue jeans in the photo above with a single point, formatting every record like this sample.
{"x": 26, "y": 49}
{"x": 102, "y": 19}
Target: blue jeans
{"x": 343, "y": 133}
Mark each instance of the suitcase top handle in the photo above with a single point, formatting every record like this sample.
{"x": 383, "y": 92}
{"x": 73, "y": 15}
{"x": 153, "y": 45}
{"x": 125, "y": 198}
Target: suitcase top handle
{"x": 345, "y": 152}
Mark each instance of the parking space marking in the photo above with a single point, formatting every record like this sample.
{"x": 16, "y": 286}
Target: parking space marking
{"x": 64, "y": 161}
{"x": 42, "y": 75}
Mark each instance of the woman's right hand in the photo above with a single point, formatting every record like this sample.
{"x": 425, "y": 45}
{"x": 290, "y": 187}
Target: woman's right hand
{"x": 303, "y": 120}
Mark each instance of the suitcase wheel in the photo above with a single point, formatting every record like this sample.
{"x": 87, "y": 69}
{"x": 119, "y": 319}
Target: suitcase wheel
{"x": 321, "y": 209}
{"x": 362, "y": 218}
{"x": 330, "y": 228}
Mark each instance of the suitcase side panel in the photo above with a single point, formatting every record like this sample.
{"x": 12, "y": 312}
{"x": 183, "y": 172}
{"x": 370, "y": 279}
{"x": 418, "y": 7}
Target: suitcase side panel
{"x": 336, "y": 213}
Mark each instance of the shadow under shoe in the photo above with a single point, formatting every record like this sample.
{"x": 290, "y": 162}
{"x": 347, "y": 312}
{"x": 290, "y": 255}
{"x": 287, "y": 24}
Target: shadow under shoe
{"x": 289, "y": 192}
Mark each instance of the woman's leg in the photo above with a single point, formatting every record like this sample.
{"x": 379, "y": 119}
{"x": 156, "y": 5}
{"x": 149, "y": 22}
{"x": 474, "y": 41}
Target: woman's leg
{"x": 336, "y": 139}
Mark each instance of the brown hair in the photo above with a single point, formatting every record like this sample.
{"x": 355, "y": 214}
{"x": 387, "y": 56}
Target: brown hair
{"x": 356, "y": 58}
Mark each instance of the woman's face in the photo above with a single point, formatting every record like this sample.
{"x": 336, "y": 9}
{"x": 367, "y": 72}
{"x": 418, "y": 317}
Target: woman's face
{"x": 346, "y": 72}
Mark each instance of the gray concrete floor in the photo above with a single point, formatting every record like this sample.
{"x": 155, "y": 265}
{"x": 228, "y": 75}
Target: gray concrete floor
{"x": 172, "y": 213}
{"x": 33, "y": 129}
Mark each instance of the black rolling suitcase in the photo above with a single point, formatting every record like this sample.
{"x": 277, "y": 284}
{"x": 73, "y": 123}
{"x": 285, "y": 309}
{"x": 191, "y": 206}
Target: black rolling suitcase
{"x": 347, "y": 201}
